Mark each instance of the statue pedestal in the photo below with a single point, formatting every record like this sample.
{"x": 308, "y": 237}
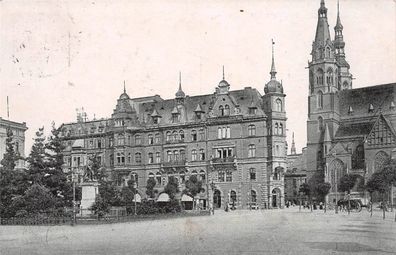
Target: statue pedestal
{"x": 89, "y": 192}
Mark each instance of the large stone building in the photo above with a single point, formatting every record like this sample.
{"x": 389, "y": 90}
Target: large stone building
{"x": 234, "y": 141}
{"x": 18, "y": 131}
{"x": 349, "y": 130}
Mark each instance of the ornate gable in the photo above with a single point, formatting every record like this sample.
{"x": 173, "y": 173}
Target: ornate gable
{"x": 338, "y": 149}
{"x": 382, "y": 133}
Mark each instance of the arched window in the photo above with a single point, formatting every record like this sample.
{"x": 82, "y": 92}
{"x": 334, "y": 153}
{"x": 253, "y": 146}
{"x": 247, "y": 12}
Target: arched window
{"x": 138, "y": 157}
{"x": 253, "y": 195}
{"x": 276, "y": 129}
{"x": 150, "y": 158}
{"x": 233, "y": 197}
{"x": 277, "y": 173}
{"x": 311, "y": 81}
{"x": 319, "y": 77}
{"x": 358, "y": 158}
{"x": 194, "y": 155}
{"x": 380, "y": 159}
{"x": 227, "y": 110}
{"x": 158, "y": 178}
{"x": 201, "y": 154}
{"x": 278, "y": 104}
{"x": 280, "y": 129}
{"x": 327, "y": 52}
{"x": 330, "y": 77}
{"x": 168, "y": 136}
{"x": 221, "y": 110}
{"x": 251, "y": 130}
{"x": 193, "y": 135}
{"x": 181, "y": 134}
{"x": 336, "y": 170}
{"x": 120, "y": 158}
{"x": 176, "y": 156}
{"x": 150, "y": 139}
{"x": 252, "y": 151}
{"x": 320, "y": 123}
{"x": 120, "y": 140}
{"x": 201, "y": 134}
{"x": 182, "y": 155}
{"x": 320, "y": 99}
{"x": 202, "y": 175}
{"x": 169, "y": 156}
{"x": 175, "y": 136}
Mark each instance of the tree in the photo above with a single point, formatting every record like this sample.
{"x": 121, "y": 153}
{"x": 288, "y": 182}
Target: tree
{"x": 100, "y": 207}
{"x": 379, "y": 184}
{"x": 193, "y": 187}
{"x": 150, "y": 192}
{"x": 38, "y": 199}
{"x": 347, "y": 182}
{"x": 10, "y": 156}
{"x": 306, "y": 190}
{"x": 36, "y": 159}
{"x": 323, "y": 189}
{"x": 55, "y": 179}
{"x": 172, "y": 187}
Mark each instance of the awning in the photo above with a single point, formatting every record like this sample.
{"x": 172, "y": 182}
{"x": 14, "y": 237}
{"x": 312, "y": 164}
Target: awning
{"x": 138, "y": 198}
{"x": 163, "y": 197}
{"x": 186, "y": 198}
{"x": 79, "y": 143}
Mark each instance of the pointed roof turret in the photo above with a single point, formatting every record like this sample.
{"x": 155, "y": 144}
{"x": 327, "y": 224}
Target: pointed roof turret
{"x": 293, "y": 146}
{"x": 327, "y": 137}
{"x": 338, "y": 24}
{"x": 322, "y": 29}
{"x": 124, "y": 95}
{"x": 180, "y": 93}
{"x": 273, "y": 86}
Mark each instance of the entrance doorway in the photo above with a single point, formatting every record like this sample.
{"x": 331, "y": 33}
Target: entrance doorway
{"x": 217, "y": 199}
{"x": 276, "y": 198}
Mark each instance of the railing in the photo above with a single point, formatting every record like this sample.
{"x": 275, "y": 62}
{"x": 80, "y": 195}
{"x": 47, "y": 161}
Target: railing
{"x": 181, "y": 162}
{"x": 223, "y": 160}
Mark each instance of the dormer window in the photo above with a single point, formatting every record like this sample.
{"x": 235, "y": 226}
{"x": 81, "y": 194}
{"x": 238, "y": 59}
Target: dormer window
{"x": 227, "y": 110}
{"x": 252, "y": 111}
{"x": 371, "y": 108}
{"x": 175, "y": 117}
{"x": 221, "y": 110}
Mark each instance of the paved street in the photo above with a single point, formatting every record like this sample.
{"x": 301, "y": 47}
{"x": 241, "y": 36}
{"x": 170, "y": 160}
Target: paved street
{"x": 242, "y": 232}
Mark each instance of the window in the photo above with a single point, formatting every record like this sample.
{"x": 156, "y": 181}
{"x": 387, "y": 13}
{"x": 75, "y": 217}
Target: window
{"x": 111, "y": 141}
{"x": 221, "y": 110}
{"x": 175, "y": 117}
{"x": 121, "y": 140}
{"x": 182, "y": 155}
{"x": 175, "y": 136}
{"x": 327, "y": 52}
{"x": 99, "y": 143}
{"x": 194, "y": 135}
{"x": 252, "y": 110}
{"x": 227, "y": 110}
{"x": 224, "y": 152}
{"x": 221, "y": 176}
{"x": 277, "y": 173}
{"x": 155, "y": 120}
{"x": 138, "y": 157}
{"x": 194, "y": 155}
{"x": 233, "y": 197}
{"x": 251, "y": 130}
{"x": 138, "y": 140}
{"x": 158, "y": 178}
{"x": 134, "y": 179}
{"x": 120, "y": 158}
{"x": 253, "y": 195}
{"x": 158, "y": 157}
{"x": 150, "y": 158}
{"x": 194, "y": 172}
{"x": 320, "y": 123}
{"x": 181, "y": 134}
{"x": 150, "y": 139}
{"x": 111, "y": 159}
{"x": 91, "y": 144}
{"x": 201, "y": 154}
{"x": 129, "y": 140}
{"x": 201, "y": 134}
{"x": 182, "y": 177}
{"x": 219, "y": 133}
{"x": 129, "y": 157}
{"x": 198, "y": 115}
{"x": 252, "y": 174}
{"x": 168, "y": 136}
{"x": 278, "y": 105}
{"x": 202, "y": 175}
{"x": 319, "y": 77}
{"x": 168, "y": 156}
{"x": 252, "y": 151}
{"x": 276, "y": 129}
{"x": 320, "y": 99}
{"x": 224, "y": 132}
{"x": 176, "y": 156}
{"x": 280, "y": 129}
{"x": 329, "y": 78}
{"x": 157, "y": 138}
{"x": 228, "y": 176}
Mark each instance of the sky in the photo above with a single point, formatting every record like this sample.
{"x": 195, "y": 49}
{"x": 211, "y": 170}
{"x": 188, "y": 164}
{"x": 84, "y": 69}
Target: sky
{"x": 57, "y": 56}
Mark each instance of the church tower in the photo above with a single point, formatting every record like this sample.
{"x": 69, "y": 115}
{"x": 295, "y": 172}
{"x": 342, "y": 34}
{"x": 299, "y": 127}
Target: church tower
{"x": 327, "y": 69}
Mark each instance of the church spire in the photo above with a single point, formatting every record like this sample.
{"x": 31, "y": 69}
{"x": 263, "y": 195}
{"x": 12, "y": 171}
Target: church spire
{"x": 322, "y": 36}
{"x": 124, "y": 88}
{"x": 273, "y": 70}
{"x": 180, "y": 93}
{"x": 293, "y": 146}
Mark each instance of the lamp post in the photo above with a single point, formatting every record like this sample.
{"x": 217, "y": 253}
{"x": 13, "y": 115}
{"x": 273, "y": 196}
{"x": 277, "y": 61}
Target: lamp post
{"x": 212, "y": 186}
{"x": 134, "y": 194}
{"x": 74, "y": 180}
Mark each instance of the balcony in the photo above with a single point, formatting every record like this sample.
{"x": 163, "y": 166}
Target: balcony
{"x": 229, "y": 160}
{"x": 174, "y": 163}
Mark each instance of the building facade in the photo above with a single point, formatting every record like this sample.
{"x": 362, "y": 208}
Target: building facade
{"x": 296, "y": 174}
{"x": 18, "y": 131}
{"x": 349, "y": 130}
{"x": 234, "y": 141}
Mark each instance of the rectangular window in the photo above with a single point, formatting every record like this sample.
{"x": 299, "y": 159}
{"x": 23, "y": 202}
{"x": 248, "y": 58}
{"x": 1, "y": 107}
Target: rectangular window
{"x": 228, "y": 176}
{"x": 221, "y": 176}
{"x": 150, "y": 158}
{"x": 158, "y": 157}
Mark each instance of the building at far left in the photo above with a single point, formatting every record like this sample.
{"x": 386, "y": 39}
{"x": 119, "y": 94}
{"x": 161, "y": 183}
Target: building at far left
{"x": 18, "y": 131}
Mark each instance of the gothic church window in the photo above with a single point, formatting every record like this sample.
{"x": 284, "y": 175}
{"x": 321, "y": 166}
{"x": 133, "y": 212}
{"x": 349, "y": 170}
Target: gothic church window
{"x": 320, "y": 99}
{"x": 319, "y": 77}
{"x": 278, "y": 105}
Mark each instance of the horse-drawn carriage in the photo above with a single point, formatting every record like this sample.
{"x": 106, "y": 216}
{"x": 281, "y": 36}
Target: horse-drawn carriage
{"x": 354, "y": 204}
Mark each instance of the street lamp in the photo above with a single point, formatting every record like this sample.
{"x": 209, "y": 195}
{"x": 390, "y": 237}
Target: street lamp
{"x": 74, "y": 180}
{"x": 134, "y": 194}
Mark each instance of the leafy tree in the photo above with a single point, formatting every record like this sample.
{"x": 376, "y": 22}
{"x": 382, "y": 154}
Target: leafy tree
{"x": 100, "y": 207}
{"x": 305, "y": 188}
{"x": 347, "y": 182}
{"x": 323, "y": 189}
{"x": 172, "y": 187}
{"x": 193, "y": 187}
{"x": 38, "y": 199}
{"x": 150, "y": 187}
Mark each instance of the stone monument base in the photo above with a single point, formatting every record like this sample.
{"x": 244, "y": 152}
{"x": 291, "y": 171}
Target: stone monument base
{"x": 89, "y": 192}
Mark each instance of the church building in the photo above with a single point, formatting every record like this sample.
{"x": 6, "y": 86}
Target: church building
{"x": 349, "y": 130}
